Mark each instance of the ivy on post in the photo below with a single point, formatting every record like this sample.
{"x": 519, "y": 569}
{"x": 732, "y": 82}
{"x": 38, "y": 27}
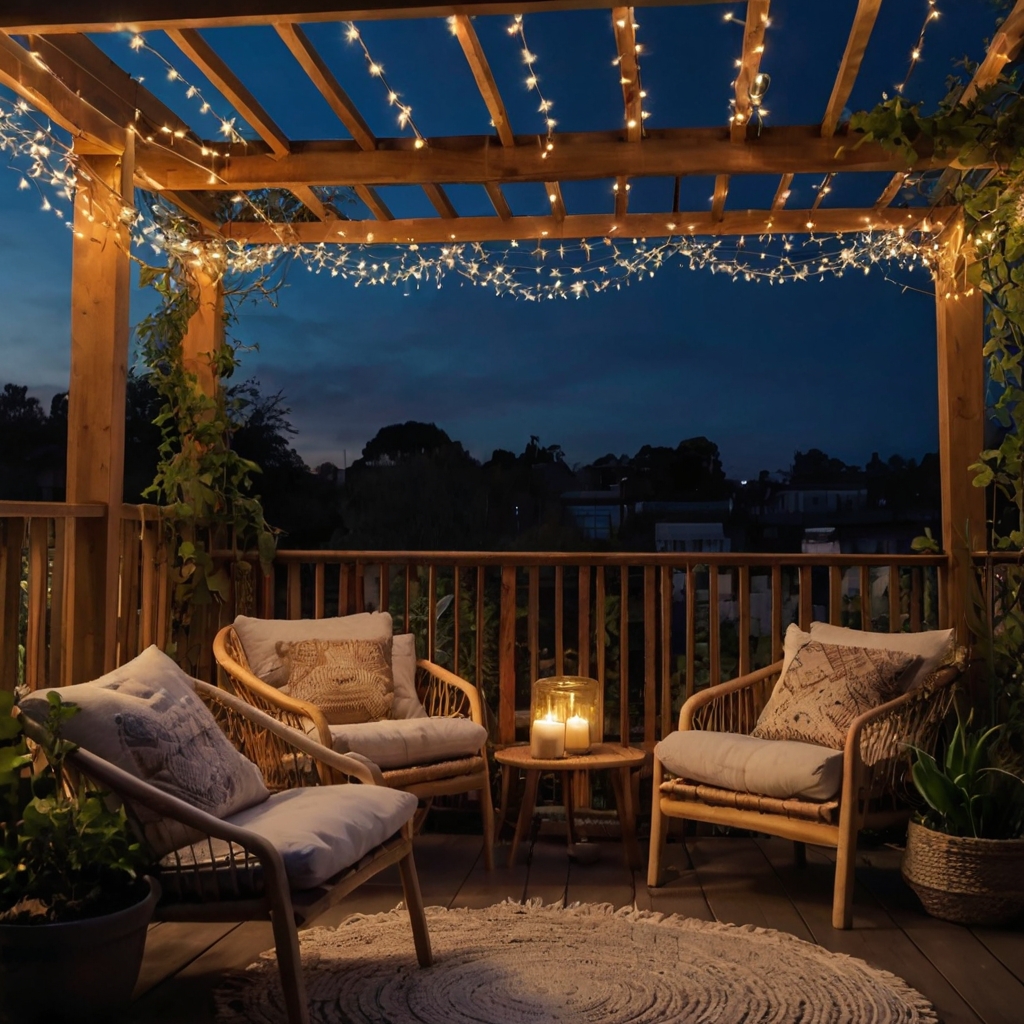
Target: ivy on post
{"x": 203, "y": 486}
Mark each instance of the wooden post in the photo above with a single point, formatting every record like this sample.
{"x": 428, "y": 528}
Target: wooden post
{"x": 100, "y": 287}
{"x": 959, "y": 318}
{"x": 205, "y": 334}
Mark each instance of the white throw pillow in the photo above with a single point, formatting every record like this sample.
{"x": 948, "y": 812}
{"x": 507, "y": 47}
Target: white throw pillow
{"x": 403, "y": 667}
{"x": 933, "y": 646}
{"x": 146, "y": 719}
{"x": 260, "y": 637}
{"x": 794, "y": 639}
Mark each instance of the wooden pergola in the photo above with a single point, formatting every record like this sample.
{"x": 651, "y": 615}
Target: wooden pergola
{"x": 126, "y": 137}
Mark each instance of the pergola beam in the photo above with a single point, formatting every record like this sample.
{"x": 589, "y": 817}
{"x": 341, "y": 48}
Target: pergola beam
{"x": 373, "y": 202}
{"x": 440, "y": 201}
{"x": 498, "y": 200}
{"x": 25, "y": 76}
{"x": 477, "y": 60}
{"x": 856, "y": 44}
{"x": 555, "y": 200}
{"x": 429, "y": 230}
{"x": 576, "y": 156}
{"x": 193, "y": 206}
{"x": 321, "y": 76}
{"x": 755, "y": 23}
{"x": 629, "y": 72}
{"x": 782, "y": 192}
{"x": 26, "y": 16}
{"x": 718, "y": 199}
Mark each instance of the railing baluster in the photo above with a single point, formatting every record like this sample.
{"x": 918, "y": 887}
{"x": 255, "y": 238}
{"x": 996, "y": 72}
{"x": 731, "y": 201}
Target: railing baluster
{"x": 533, "y": 621}
{"x": 35, "y": 637}
{"x": 600, "y": 625}
{"x": 559, "y": 620}
{"x": 319, "y": 590}
{"x": 408, "y": 591}
{"x": 384, "y": 586}
{"x": 895, "y": 614}
{"x": 480, "y": 637}
{"x": 835, "y": 595}
{"x": 583, "y": 603}
{"x": 916, "y": 599}
{"x": 624, "y": 654}
{"x": 57, "y": 603}
{"x": 776, "y": 612}
{"x": 650, "y": 660}
{"x": 865, "y": 597}
{"x": 667, "y": 724}
{"x": 691, "y": 629}
{"x": 806, "y": 597}
{"x": 507, "y": 656}
{"x": 360, "y": 588}
{"x": 147, "y": 597}
{"x": 343, "y": 588}
{"x": 743, "y": 666}
{"x": 714, "y": 628}
{"x": 10, "y": 599}
{"x": 456, "y": 619}
{"x": 431, "y": 612}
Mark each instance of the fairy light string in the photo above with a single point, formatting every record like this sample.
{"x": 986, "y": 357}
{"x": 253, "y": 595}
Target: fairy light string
{"x": 376, "y": 70}
{"x": 638, "y": 49}
{"x": 517, "y": 29}
{"x": 931, "y": 15}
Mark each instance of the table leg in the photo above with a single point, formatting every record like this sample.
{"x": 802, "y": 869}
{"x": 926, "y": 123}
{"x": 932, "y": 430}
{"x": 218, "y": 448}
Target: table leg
{"x": 622, "y": 786}
{"x": 568, "y": 781}
{"x": 525, "y": 813}
{"x": 506, "y": 782}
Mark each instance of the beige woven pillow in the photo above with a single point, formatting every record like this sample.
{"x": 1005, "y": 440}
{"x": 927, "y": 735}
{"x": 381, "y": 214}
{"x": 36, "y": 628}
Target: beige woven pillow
{"x": 348, "y": 680}
{"x": 826, "y": 687}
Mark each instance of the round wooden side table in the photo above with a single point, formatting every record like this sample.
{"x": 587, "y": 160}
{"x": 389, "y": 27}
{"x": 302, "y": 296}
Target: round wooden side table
{"x": 617, "y": 760}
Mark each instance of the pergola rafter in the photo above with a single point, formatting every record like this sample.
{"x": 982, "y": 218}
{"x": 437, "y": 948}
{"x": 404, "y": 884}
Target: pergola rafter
{"x": 755, "y": 23}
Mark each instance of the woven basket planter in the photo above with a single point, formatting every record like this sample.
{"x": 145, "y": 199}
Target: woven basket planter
{"x": 969, "y": 881}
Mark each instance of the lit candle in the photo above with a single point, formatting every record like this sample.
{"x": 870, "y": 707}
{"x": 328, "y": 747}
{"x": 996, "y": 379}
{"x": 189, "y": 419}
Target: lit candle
{"x": 547, "y": 739}
{"x": 577, "y": 735}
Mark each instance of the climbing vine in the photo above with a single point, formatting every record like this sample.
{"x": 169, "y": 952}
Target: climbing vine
{"x": 204, "y": 488}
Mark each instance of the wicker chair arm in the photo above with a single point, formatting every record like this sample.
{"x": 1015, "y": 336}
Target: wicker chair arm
{"x": 128, "y": 788}
{"x": 883, "y": 732}
{"x": 264, "y": 696}
{"x": 726, "y": 702}
{"x": 450, "y": 696}
{"x": 341, "y": 764}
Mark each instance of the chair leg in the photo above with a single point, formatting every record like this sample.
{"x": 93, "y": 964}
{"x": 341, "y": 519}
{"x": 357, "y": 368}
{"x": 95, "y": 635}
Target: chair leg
{"x": 289, "y": 960}
{"x": 659, "y": 833}
{"x": 842, "y": 899}
{"x": 487, "y": 812}
{"x": 414, "y": 902}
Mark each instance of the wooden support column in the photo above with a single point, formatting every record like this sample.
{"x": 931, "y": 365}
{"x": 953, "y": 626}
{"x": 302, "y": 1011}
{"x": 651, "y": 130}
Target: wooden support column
{"x": 205, "y": 334}
{"x": 100, "y": 287}
{"x": 959, "y": 317}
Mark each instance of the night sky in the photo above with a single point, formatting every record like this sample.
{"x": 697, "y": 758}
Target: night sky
{"x": 846, "y": 365}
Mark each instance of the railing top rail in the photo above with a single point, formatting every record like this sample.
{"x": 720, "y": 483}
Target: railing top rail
{"x": 998, "y": 558}
{"x": 139, "y": 513}
{"x": 618, "y": 558}
{"x": 50, "y": 510}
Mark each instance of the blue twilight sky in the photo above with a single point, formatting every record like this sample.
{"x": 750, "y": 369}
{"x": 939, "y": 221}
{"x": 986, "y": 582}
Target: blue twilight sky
{"x": 845, "y": 365}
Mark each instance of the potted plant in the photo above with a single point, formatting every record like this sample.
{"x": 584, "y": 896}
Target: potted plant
{"x": 74, "y": 905}
{"x": 965, "y": 853}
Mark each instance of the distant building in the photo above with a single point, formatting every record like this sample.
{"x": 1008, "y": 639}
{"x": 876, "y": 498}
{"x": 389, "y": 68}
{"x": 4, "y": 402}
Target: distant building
{"x": 691, "y": 537}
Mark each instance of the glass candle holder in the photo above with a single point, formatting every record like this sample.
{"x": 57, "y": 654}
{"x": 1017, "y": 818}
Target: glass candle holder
{"x": 566, "y": 715}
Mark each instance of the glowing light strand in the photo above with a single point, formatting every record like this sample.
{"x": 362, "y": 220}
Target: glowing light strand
{"x": 931, "y": 15}
{"x": 617, "y": 63}
{"x": 517, "y": 29}
{"x": 376, "y": 70}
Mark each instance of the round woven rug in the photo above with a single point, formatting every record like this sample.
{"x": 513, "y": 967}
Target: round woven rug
{"x": 584, "y": 964}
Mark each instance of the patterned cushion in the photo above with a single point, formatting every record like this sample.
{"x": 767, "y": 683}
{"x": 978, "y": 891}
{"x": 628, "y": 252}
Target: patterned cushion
{"x": 348, "y": 680}
{"x": 146, "y": 719}
{"x": 826, "y": 687}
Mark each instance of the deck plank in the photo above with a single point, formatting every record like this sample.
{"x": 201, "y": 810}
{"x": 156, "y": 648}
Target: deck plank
{"x": 741, "y": 888}
{"x": 606, "y": 880}
{"x": 874, "y": 937}
{"x": 982, "y": 979}
{"x": 172, "y": 945}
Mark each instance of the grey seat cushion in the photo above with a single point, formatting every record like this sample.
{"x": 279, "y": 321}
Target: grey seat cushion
{"x": 403, "y": 742}
{"x": 322, "y": 830}
{"x": 777, "y": 768}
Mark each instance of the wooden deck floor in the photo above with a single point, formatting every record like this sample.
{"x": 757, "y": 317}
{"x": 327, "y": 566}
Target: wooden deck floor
{"x": 970, "y": 975}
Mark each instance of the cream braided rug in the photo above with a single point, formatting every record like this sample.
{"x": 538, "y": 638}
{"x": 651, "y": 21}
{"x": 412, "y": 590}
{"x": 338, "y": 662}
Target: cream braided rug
{"x": 585, "y": 964}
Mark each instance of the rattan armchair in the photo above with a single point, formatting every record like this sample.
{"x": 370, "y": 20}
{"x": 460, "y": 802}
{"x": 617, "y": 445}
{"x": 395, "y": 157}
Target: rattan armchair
{"x": 443, "y": 695}
{"x": 874, "y": 770}
{"x": 223, "y": 872}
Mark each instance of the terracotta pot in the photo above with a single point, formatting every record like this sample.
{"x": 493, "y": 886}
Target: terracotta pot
{"x": 78, "y": 970}
{"x": 966, "y": 880}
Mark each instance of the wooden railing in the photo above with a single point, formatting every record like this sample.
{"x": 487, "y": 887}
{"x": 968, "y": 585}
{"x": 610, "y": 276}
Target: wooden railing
{"x": 38, "y": 580}
{"x": 651, "y": 628}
